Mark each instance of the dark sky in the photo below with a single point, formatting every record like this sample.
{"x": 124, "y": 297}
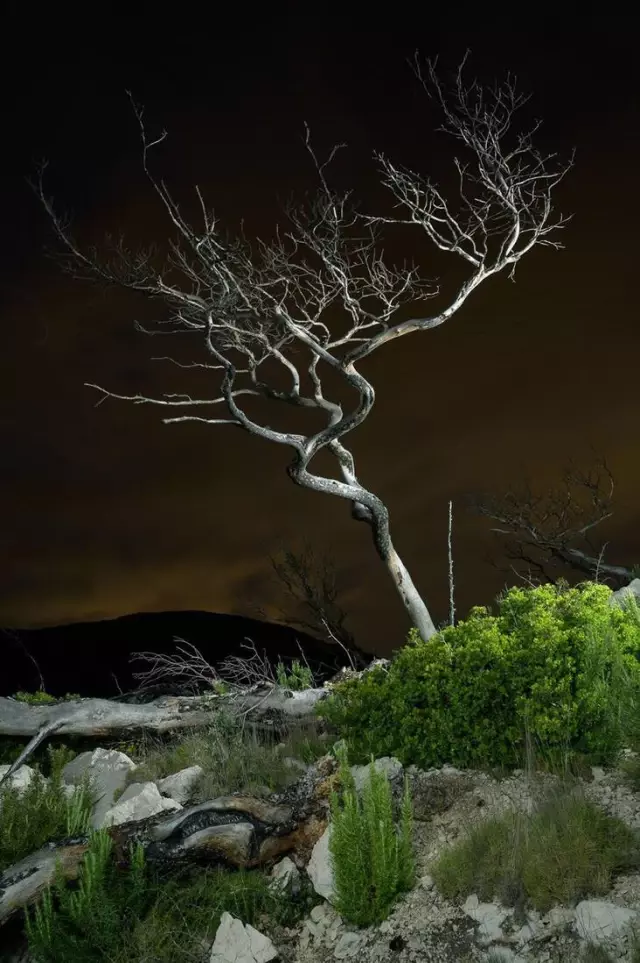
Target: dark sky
{"x": 105, "y": 511}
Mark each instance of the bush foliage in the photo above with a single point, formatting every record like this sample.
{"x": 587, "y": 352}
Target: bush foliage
{"x": 561, "y": 660}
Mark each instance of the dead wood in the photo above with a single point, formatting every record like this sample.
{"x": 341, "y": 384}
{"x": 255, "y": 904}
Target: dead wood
{"x": 102, "y": 718}
{"x": 236, "y": 831}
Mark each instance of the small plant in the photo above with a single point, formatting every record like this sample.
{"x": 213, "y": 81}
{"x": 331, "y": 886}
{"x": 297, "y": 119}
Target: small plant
{"x": 43, "y": 698}
{"x": 42, "y": 812}
{"x": 130, "y": 749}
{"x": 372, "y": 864}
{"x": 220, "y": 687}
{"x": 299, "y": 678}
{"x": 508, "y": 857}
{"x": 188, "y": 908}
{"x": 92, "y": 922}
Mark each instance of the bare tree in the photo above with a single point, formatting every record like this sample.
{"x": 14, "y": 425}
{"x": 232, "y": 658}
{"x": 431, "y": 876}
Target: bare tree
{"x": 311, "y": 584}
{"x": 545, "y": 533}
{"x": 276, "y": 300}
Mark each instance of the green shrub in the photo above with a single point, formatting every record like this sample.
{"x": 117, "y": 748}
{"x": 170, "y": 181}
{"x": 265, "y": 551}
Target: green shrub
{"x": 561, "y": 660}
{"x": 372, "y": 864}
{"x": 220, "y": 687}
{"x": 299, "y": 678}
{"x": 596, "y": 651}
{"x": 41, "y": 812}
{"x": 93, "y": 922}
{"x": 361, "y": 711}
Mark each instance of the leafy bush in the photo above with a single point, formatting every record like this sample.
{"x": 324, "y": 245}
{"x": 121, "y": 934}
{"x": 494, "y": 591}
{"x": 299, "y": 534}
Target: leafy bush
{"x": 600, "y": 646}
{"x": 560, "y": 660}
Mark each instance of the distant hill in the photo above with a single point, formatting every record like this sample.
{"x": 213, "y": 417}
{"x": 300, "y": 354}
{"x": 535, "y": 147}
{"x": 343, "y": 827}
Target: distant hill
{"x": 84, "y": 657}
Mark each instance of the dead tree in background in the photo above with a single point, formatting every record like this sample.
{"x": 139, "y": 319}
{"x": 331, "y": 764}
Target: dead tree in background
{"x": 545, "y": 534}
{"x": 312, "y": 585}
{"x": 323, "y": 290}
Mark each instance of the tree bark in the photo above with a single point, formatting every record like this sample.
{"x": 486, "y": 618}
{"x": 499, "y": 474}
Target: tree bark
{"x": 268, "y": 300}
{"x": 100, "y": 718}
{"x": 411, "y": 598}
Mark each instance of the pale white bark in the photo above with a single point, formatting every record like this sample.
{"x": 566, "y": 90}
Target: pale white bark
{"x": 102, "y": 718}
{"x": 276, "y": 301}
{"x": 452, "y": 610}
{"x": 412, "y": 601}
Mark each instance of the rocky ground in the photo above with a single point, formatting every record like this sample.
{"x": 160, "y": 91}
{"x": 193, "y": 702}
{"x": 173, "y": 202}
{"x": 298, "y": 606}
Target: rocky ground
{"x": 423, "y": 926}
{"x": 426, "y": 928}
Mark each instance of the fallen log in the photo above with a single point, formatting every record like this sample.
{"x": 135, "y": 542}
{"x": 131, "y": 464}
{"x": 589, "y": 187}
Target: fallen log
{"x": 238, "y": 831}
{"x": 102, "y": 717}
{"x": 99, "y": 718}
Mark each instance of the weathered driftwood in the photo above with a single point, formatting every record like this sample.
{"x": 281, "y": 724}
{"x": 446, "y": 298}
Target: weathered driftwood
{"x": 101, "y": 718}
{"x": 236, "y": 831}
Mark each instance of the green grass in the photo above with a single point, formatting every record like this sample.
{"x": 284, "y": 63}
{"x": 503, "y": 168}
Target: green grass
{"x": 232, "y": 760}
{"x": 42, "y": 812}
{"x": 42, "y": 698}
{"x": 563, "y": 851}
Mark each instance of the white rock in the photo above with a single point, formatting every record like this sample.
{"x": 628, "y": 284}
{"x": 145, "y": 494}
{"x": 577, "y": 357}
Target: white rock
{"x": 138, "y": 801}
{"x": 319, "y": 866}
{"x": 108, "y": 770}
{"x": 180, "y": 785}
{"x": 20, "y": 779}
{"x": 598, "y": 921}
{"x": 236, "y": 942}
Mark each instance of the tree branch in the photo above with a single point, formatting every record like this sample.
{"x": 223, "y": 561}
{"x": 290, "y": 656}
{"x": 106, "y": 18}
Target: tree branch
{"x": 551, "y": 529}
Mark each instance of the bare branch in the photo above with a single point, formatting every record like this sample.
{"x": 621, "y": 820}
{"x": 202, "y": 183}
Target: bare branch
{"x": 311, "y": 583}
{"x": 189, "y": 663}
{"x": 452, "y": 609}
{"x": 15, "y": 637}
{"x": 239, "y": 676}
{"x": 551, "y": 529}
{"x": 504, "y": 206}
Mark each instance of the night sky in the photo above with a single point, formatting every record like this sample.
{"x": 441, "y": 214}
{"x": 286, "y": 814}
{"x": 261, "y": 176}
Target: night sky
{"x": 106, "y": 511}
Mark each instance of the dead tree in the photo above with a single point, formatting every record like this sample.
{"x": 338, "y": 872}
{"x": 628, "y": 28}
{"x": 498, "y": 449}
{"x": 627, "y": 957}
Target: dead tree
{"x": 282, "y": 300}
{"x": 545, "y": 534}
{"x": 312, "y": 585}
